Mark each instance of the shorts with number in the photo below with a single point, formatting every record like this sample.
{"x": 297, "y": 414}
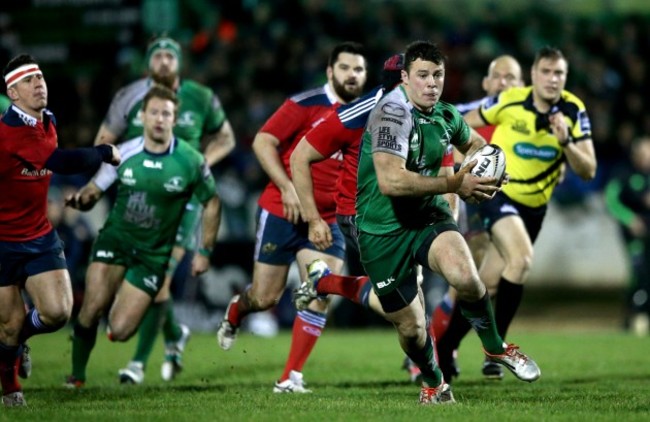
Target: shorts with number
{"x": 20, "y": 260}
{"x": 502, "y": 206}
{"x": 277, "y": 240}
{"x": 390, "y": 261}
{"x": 189, "y": 228}
{"x": 144, "y": 269}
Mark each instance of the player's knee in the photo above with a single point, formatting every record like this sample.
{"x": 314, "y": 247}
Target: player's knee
{"x": 261, "y": 301}
{"x": 470, "y": 289}
{"x": 120, "y": 329}
{"x": 519, "y": 265}
{"x": 55, "y": 316}
{"x": 411, "y": 330}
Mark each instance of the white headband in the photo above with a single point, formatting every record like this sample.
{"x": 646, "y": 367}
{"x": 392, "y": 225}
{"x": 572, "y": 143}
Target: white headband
{"x": 21, "y": 73}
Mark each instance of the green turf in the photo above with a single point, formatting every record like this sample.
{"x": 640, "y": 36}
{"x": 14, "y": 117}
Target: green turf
{"x": 355, "y": 376}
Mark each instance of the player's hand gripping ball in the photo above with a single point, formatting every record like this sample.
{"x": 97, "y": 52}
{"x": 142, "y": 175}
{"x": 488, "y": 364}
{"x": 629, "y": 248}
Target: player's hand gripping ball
{"x": 491, "y": 162}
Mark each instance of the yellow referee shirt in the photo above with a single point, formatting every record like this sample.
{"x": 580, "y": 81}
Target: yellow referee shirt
{"x": 533, "y": 154}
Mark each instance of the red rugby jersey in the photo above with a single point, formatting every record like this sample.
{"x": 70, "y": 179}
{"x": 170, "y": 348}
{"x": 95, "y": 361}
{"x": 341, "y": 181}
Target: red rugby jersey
{"x": 25, "y": 146}
{"x": 289, "y": 123}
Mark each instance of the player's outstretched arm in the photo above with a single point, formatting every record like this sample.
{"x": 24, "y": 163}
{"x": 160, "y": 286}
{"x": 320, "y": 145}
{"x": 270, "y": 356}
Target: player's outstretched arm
{"x": 79, "y": 160}
{"x": 85, "y": 198}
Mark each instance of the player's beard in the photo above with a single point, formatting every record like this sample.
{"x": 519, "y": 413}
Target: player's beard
{"x": 167, "y": 80}
{"x": 345, "y": 93}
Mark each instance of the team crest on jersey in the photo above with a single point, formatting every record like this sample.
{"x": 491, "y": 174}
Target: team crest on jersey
{"x": 175, "y": 184}
{"x": 127, "y": 177}
{"x": 186, "y": 118}
{"x": 521, "y": 127}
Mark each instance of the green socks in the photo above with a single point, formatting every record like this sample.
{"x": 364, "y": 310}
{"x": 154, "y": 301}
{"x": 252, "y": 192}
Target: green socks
{"x": 481, "y": 316}
{"x": 171, "y": 330}
{"x": 148, "y": 331}
{"x": 83, "y": 342}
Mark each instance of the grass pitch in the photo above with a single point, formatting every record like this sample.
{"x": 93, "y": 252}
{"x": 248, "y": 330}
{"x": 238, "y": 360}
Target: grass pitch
{"x": 355, "y": 375}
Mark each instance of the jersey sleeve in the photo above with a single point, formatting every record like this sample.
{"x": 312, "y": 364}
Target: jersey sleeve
{"x": 286, "y": 121}
{"x": 581, "y": 128}
{"x": 116, "y": 119}
{"x": 105, "y": 176}
{"x": 461, "y": 131}
{"x": 489, "y": 109}
{"x": 216, "y": 115}
{"x": 389, "y": 127}
{"x": 331, "y": 136}
{"x": 108, "y": 173}
{"x": 205, "y": 185}
{"x": 448, "y": 158}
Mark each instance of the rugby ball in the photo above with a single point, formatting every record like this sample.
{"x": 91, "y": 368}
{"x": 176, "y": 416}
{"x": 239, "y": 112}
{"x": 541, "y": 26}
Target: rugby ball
{"x": 491, "y": 162}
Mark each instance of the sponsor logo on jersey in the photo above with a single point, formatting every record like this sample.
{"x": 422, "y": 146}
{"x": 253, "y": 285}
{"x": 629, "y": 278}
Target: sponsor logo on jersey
{"x": 34, "y": 172}
{"x": 175, "y": 184}
{"x": 151, "y": 282}
{"x": 104, "y": 254}
{"x": 529, "y": 151}
{"x": 386, "y": 140}
{"x": 385, "y": 283}
{"x": 584, "y": 122}
{"x": 390, "y": 119}
{"x": 127, "y": 177}
{"x": 153, "y": 164}
{"x": 414, "y": 142}
{"x": 186, "y": 118}
{"x": 393, "y": 109}
{"x": 521, "y": 127}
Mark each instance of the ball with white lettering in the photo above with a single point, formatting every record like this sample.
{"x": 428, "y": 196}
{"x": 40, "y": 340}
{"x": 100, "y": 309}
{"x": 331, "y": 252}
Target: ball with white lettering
{"x": 491, "y": 162}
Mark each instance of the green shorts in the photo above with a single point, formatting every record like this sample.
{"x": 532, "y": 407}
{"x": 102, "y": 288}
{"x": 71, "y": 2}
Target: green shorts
{"x": 390, "y": 260}
{"x": 144, "y": 270}
{"x": 187, "y": 235}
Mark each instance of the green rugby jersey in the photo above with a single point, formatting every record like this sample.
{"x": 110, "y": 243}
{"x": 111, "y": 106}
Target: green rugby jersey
{"x": 5, "y": 102}
{"x": 152, "y": 192}
{"x": 396, "y": 127}
{"x": 199, "y": 113}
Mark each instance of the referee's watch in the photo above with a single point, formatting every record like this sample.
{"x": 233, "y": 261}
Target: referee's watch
{"x": 569, "y": 139}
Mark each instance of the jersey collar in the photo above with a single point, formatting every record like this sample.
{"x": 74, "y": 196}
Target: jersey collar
{"x": 541, "y": 119}
{"x": 14, "y": 116}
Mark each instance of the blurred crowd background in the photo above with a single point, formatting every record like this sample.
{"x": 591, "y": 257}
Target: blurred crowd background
{"x": 255, "y": 53}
